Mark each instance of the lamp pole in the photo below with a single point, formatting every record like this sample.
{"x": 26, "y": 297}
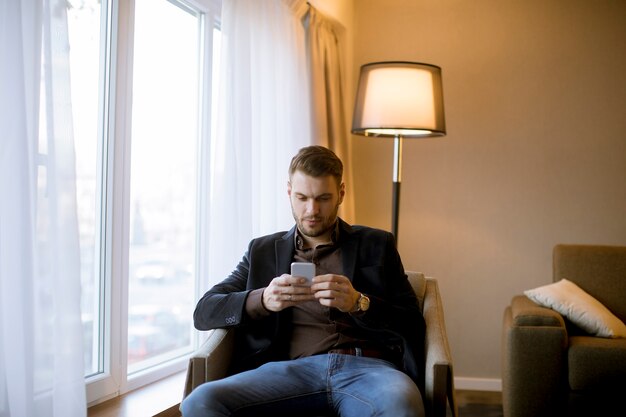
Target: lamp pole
{"x": 397, "y": 179}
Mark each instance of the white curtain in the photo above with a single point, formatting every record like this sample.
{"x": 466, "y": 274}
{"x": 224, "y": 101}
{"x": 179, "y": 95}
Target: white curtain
{"x": 264, "y": 120}
{"x": 41, "y": 344}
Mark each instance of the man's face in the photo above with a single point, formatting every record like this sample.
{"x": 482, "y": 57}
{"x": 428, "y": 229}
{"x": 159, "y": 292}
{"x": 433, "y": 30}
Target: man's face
{"x": 314, "y": 203}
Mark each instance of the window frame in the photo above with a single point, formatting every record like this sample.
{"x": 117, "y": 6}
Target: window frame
{"x": 115, "y": 139}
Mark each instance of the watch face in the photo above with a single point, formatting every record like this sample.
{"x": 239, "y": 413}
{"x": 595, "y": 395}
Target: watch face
{"x": 364, "y": 303}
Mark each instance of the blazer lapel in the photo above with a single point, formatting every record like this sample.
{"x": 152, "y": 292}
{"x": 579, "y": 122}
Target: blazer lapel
{"x": 349, "y": 249}
{"x": 284, "y": 252}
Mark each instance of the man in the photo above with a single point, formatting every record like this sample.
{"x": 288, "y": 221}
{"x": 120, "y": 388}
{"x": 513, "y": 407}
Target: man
{"x": 349, "y": 344}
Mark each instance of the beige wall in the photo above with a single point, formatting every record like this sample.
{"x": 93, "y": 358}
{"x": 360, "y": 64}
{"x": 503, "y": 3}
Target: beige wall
{"x": 535, "y": 96}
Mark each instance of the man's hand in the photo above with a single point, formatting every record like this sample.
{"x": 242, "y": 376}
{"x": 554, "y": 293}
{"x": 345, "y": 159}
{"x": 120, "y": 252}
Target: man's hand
{"x": 335, "y": 291}
{"x": 286, "y": 291}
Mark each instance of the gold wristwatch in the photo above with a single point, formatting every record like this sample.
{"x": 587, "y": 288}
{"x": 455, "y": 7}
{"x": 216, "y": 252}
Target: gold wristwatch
{"x": 363, "y": 303}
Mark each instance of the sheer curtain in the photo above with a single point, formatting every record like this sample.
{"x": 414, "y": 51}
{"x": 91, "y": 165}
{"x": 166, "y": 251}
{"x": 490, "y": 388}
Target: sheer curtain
{"x": 41, "y": 345}
{"x": 264, "y": 118}
{"x": 329, "y": 117}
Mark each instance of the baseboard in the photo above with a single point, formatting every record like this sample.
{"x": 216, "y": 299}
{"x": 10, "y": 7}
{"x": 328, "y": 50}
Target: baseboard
{"x": 477, "y": 384}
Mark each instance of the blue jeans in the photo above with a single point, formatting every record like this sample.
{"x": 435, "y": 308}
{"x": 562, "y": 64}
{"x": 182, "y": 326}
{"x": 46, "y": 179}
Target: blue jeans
{"x": 335, "y": 384}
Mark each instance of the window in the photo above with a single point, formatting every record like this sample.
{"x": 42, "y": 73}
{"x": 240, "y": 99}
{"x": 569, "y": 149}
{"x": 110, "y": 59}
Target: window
{"x": 141, "y": 77}
{"x": 163, "y": 191}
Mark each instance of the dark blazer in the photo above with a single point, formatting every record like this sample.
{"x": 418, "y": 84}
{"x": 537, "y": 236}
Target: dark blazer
{"x": 370, "y": 261}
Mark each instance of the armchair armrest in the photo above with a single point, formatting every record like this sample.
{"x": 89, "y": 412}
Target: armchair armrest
{"x": 439, "y": 376}
{"x": 211, "y": 360}
{"x": 534, "y": 341}
{"x": 526, "y": 312}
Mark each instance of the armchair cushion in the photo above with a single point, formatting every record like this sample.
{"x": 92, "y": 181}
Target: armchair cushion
{"x": 598, "y": 270}
{"x": 596, "y": 364}
{"x": 579, "y": 307}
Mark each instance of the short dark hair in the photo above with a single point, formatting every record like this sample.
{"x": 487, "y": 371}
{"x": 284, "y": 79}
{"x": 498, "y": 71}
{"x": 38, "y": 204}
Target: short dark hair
{"x": 317, "y": 161}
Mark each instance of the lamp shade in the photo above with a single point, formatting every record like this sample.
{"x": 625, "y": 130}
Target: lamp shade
{"x": 399, "y": 99}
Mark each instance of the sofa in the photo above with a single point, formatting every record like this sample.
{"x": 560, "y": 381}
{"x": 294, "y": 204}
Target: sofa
{"x": 211, "y": 360}
{"x": 552, "y": 367}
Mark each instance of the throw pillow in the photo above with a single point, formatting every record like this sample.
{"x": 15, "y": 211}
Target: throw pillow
{"x": 579, "y": 307}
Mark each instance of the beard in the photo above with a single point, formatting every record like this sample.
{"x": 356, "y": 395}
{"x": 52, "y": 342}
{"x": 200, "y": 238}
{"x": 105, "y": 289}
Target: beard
{"x": 322, "y": 224}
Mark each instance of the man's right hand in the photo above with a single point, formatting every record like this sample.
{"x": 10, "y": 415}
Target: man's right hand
{"x": 286, "y": 291}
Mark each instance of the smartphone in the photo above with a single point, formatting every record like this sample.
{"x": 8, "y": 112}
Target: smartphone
{"x": 303, "y": 269}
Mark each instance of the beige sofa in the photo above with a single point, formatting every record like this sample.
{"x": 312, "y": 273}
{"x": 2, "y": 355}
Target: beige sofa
{"x": 211, "y": 360}
{"x": 552, "y": 368}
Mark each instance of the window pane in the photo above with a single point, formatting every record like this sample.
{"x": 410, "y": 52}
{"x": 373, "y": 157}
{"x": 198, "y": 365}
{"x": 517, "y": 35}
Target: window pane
{"x": 163, "y": 195}
{"x": 84, "y": 20}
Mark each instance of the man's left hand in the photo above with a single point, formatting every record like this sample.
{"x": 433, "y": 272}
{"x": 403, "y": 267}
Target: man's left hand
{"x": 335, "y": 291}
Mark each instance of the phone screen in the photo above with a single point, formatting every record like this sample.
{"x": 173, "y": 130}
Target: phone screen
{"x": 303, "y": 269}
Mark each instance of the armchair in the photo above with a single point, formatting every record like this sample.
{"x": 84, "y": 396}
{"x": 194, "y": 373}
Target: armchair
{"x": 552, "y": 368}
{"x": 211, "y": 360}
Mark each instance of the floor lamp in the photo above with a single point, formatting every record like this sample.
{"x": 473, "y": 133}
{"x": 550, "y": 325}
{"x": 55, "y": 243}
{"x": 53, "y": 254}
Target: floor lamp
{"x": 399, "y": 100}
